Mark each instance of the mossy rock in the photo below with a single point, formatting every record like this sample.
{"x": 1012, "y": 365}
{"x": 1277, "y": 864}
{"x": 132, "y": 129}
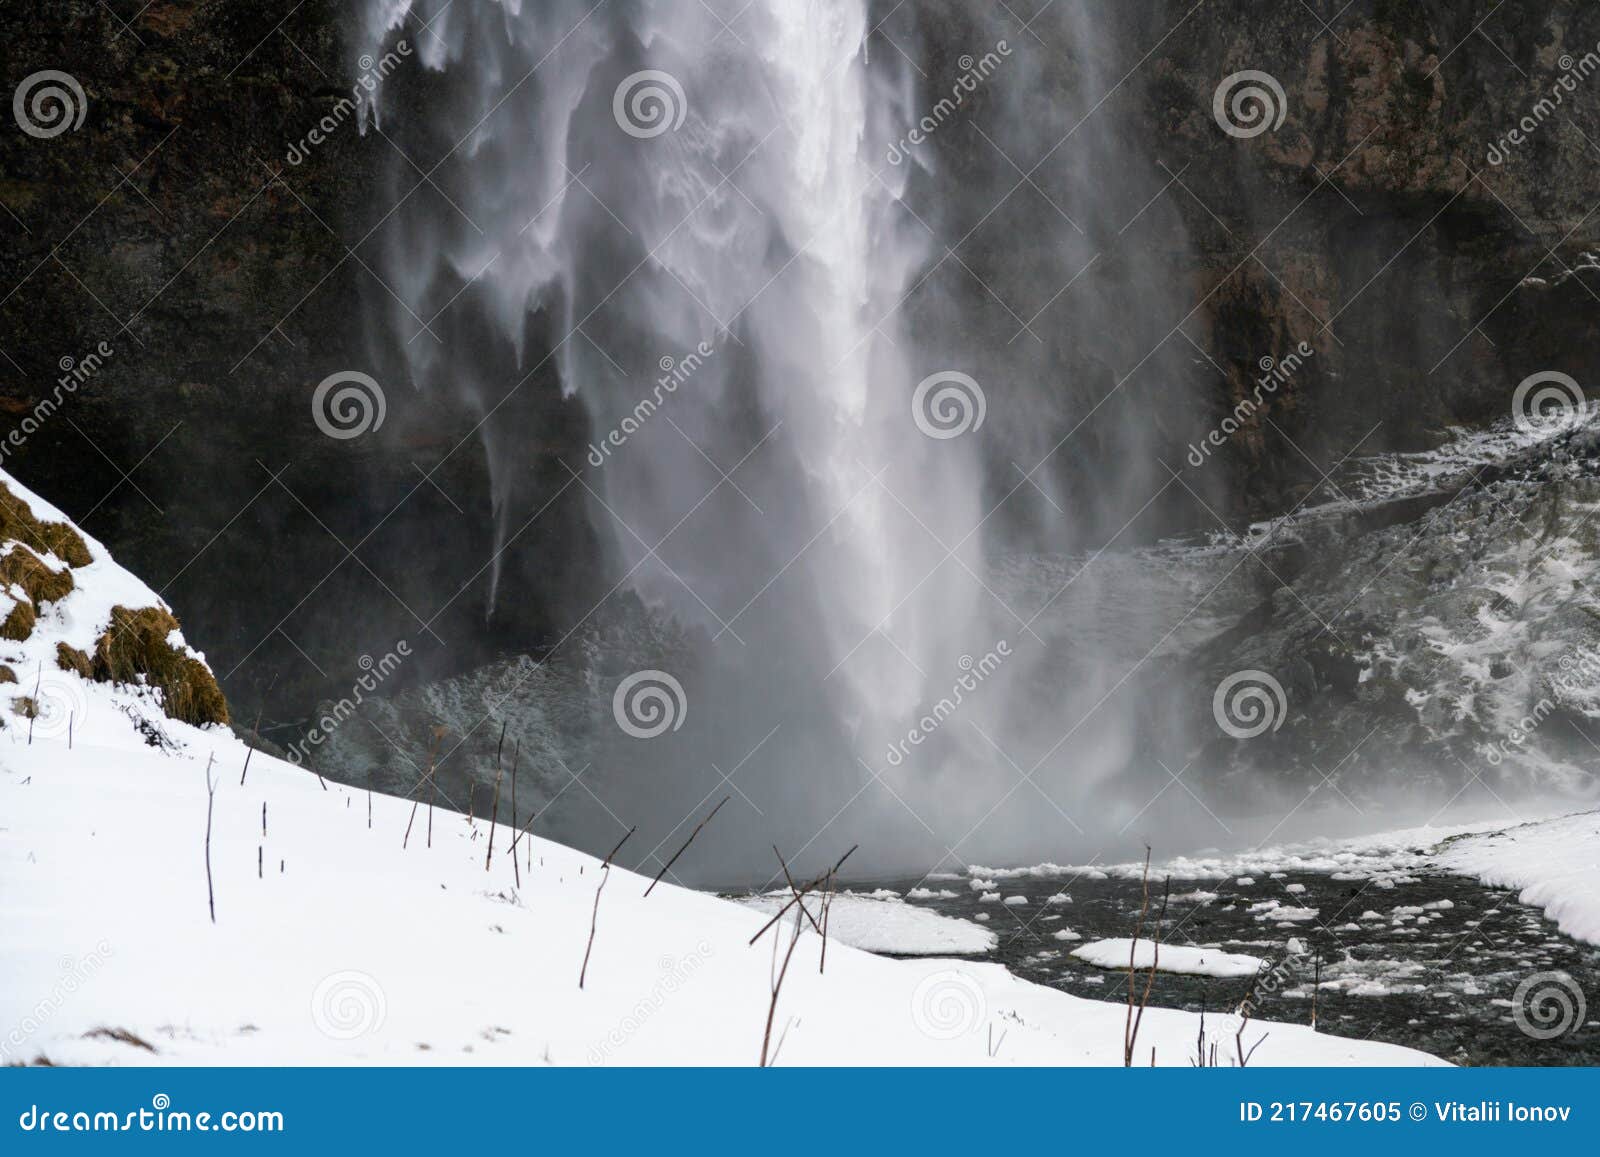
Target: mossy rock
{"x": 18, "y": 523}
{"x": 136, "y": 645}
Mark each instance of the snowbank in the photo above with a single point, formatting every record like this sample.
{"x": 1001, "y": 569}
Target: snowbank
{"x": 1555, "y": 864}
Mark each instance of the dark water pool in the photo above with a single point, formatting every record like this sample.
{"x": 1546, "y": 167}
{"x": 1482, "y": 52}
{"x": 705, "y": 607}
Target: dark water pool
{"x": 1429, "y": 961}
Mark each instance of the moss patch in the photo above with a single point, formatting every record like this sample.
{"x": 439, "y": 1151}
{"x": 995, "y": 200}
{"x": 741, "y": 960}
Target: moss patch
{"x": 21, "y": 566}
{"x": 69, "y": 658}
{"x": 17, "y": 522}
{"x": 136, "y": 645}
{"x": 19, "y": 623}
{"x": 7, "y": 675}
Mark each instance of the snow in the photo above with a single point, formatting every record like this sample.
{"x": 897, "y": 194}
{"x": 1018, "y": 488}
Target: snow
{"x": 352, "y": 945}
{"x": 361, "y": 951}
{"x": 1555, "y": 865}
{"x": 1179, "y": 958}
{"x": 881, "y": 922}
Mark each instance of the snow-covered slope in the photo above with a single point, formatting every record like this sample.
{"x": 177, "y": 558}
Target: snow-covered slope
{"x": 338, "y": 940}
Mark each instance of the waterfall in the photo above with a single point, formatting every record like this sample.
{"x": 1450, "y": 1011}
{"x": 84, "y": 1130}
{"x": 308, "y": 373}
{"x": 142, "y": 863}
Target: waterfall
{"x": 809, "y": 433}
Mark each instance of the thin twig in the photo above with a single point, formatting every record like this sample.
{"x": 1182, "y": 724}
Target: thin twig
{"x": 777, "y": 987}
{"x": 795, "y": 892}
{"x": 255, "y": 732}
{"x": 211, "y": 797}
{"x": 827, "y": 904}
{"x": 439, "y": 730}
{"x": 1133, "y": 949}
{"x": 494, "y": 816}
{"x": 1316, "y": 985}
{"x": 594, "y": 917}
{"x": 516, "y": 866}
{"x": 665, "y": 868}
{"x": 809, "y": 887}
{"x": 438, "y": 735}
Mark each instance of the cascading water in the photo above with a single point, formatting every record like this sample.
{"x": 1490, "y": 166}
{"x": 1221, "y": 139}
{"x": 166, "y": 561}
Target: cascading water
{"x": 807, "y": 443}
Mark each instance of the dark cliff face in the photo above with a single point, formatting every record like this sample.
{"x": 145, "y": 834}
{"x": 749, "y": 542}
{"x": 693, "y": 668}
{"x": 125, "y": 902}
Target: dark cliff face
{"x": 229, "y": 281}
{"x": 1374, "y": 226}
